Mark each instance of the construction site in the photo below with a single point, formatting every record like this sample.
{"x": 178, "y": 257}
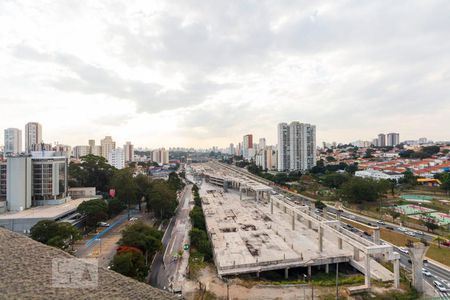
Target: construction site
{"x": 255, "y": 230}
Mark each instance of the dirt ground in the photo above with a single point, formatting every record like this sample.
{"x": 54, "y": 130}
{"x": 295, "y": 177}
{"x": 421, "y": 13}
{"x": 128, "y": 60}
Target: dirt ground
{"x": 238, "y": 289}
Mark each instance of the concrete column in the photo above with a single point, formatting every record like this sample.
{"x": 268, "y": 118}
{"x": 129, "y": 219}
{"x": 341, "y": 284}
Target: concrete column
{"x": 309, "y": 224}
{"x": 240, "y": 193}
{"x": 324, "y": 212}
{"x": 397, "y": 273}
{"x": 286, "y": 273}
{"x": 309, "y": 271}
{"x": 271, "y": 207}
{"x": 376, "y": 236}
{"x": 367, "y": 274}
{"x": 257, "y": 197}
{"x": 293, "y": 221}
{"x": 416, "y": 253}
{"x": 355, "y": 253}
{"x": 257, "y": 274}
{"x": 338, "y": 216}
{"x": 340, "y": 243}
{"x": 327, "y": 268}
{"x": 320, "y": 238}
{"x": 284, "y": 208}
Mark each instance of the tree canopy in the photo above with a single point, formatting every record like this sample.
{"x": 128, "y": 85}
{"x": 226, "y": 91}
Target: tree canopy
{"x": 95, "y": 210}
{"x": 359, "y": 190}
{"x": 131, "y": 264}
{"x": 143, "y": 237}
{"x": 92, "y": 171}
{"x": 56, "y": 234}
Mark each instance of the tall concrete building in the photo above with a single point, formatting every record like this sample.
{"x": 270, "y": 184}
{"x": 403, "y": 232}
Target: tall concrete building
{"x": 393, "y": 139}
{"x": 13, "y": 141}
{"x": 80, "y": 151}
{"x": 262, "y": 143}
{"x": 231, "y": 149}
{"x": 33, "y": 136}
{"x": 381, "y": 140}
{"x": 128, "y": 150}
{"x": 160, "y": 156}
{"x": 107, "y": 145}
{"x": 296, "y": 146}
{"x": 116, "y": 158}
{"x": 247, "y": 144}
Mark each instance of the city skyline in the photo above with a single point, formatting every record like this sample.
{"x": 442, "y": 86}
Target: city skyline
{"x": 181, "y": 74}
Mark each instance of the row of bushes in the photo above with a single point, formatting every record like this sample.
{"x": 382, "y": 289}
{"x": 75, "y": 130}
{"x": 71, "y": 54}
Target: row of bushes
{"x": 198, "y": 234}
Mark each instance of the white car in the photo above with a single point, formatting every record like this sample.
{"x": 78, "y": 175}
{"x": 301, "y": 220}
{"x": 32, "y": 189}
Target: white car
{"x": 103, "y": 224}
{"x": 402, "y": 229}
{"x": 352, "y": 217}
{"x": 426, "y": 272}
{"x": 410, "y": 233}
{"x": 440, "y": 286}
{"x": 404, "y": 250}
{"x": 381, "y": 222}
{"x": 445, "y": 282}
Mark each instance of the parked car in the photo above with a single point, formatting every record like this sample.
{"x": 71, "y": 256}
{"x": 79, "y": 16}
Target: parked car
{"x": 404, "y": 250}
{"x": 426, "y": 272}
{"x": 390, "y": 227}
{"x": 103, "y": 224}
{"x": 410, "y": 233}
{"x": 402, "y": 229}
{"x": 425, "y": 261}
{"x": 445, "y": 282}
{"x": 366, "y": 233}
{"x": 446, "y": 243}
{"x": 381, "y": 222}
{"x": 133, "y": 219}
{"x": 352, "y": 217}
{"x": 440, "y": 286}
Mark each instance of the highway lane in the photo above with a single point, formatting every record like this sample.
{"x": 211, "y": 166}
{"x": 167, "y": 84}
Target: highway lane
{"x": 163, "y": 270}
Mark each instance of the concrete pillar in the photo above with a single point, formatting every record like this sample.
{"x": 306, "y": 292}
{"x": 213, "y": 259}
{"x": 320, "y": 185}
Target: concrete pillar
{"x": 309, "y": 224}
{"x": 417, "y": 252}
{"x": 240, "y": 194}
{"x": 327, "y": 268}
{"x": 293, "y": 221}
{"x": 257, "y": 197}
{"x": 271, "y": 207}
{"x": 284, "y": 208}
{"x": 324, "y": 212}
{"x": 367, "y": 269}
{"x": 397, "y": 273}
{"x": 355, "y": 253}
{"x": 286, "y": 273}
{"x": 320, "y": 238}
{"x": 257, "y": 274}
{"x": 309, "y": 271}
{"x": 340, "y": 243}
{"x": 338, "y": 215}
{"x": 376, "y": 236}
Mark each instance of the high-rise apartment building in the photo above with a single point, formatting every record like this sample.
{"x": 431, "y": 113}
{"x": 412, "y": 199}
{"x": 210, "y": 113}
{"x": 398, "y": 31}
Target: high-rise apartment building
{"x": 381, "y": 140}
{"x": 232, "y": 150}
{"x": 13, "y": 141}
{"x": 247, "y": 144}
{"x": 160, "y": 156}
{"x": 128, "y": 150}
{"x": 262, "y": 143}
{"x": 393, "y": 139}
{"x": 33, "y": 136}
{"x": 116, "y": 158}
{"x": 296, "y": 146}
{"x": 107, "y": 145}
{"x": 80, "y": 151}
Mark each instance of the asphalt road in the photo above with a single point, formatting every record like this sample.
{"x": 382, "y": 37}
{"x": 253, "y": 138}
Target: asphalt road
{"x": 161, "y": 275}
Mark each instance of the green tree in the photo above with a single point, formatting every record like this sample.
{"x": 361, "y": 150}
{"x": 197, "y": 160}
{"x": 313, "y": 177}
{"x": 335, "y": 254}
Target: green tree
{"x": 142, "y": 236}
{"x": 125, "y": 186}
{"x": 95, "y": 211}
{"x": 352, "y": 168}
{"x": 131, "y": 264}
{"x": 197, "y": 218}
{"x": 115, "y": 207}
{"x": 319, "y": 204}
{"x": 161, "y": 199}
{"x": 335, "y": 180}
{"x": 175, "y": 182}
{"x": 92, "y": 171}
{"x": 408, "y": 179}
{"x": 394, "y": 214}
{"x": 431, "y": 226}
{"x": 439, "y": 239}
{"x": 56, "y": 234}
{"x": 445, "y": 180}
{"x": 359, "y": 190}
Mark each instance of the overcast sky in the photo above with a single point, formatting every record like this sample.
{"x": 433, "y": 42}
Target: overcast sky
{"x": 204, "y": 73}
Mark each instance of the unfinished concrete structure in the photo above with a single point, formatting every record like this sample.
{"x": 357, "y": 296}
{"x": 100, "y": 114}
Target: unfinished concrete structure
{"x": 253, "y": 230}
{"x": 417, "y": 252}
